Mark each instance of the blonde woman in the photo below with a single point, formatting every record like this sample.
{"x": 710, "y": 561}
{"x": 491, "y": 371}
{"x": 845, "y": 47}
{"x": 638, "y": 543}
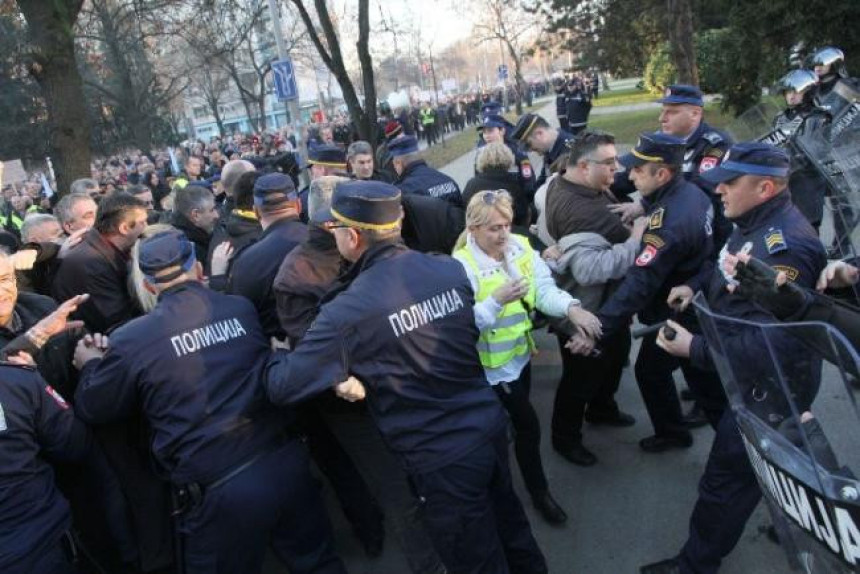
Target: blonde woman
{"x": 146, "y": 299}
{"x": 510, "y": 280}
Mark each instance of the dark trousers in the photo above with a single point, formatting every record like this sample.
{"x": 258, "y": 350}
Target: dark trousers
{"x": 587, "y": 382}
{"x": 51, "y": 560}
{"x": 728, "y": 495}
{"x": 358, "y": 434}
{"x": 654, "y": 368}
{"x": 515, "y": 398}
{"x": 275, "y": 500}
{"x": 474, "y": 517}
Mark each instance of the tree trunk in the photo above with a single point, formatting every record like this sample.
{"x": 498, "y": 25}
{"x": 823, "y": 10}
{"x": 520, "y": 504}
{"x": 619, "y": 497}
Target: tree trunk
{"x": 50, "y": 26}
{"x": 681, "y": 32}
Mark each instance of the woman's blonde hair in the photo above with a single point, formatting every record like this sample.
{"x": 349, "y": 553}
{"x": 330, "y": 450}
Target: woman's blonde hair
{"x": 494, "y": 155}
{"x": 481, "y": 208}
{"x": 145, "y": 299}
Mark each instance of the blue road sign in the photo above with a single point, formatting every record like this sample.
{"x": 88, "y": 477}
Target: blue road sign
{"x": 503, "y": 72}
{"x": 285, "y": 80}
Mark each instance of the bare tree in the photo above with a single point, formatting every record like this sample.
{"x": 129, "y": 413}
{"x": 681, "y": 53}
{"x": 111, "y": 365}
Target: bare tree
{"x": 509, "y": 24}
{"x": 327, "y": 44}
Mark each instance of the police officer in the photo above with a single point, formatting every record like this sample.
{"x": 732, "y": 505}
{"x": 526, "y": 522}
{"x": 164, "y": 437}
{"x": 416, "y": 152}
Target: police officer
{"x": 752, "y": 183}
{"x": 676, "y": 243}
{"x": 194, "y": 367}
{"x": 558, "y": 85}
{"x": 401, "y": 328}
{"x": 535, "y": 133}
{"x": 704, "y": 147}
{"x": 496, "y": 128}
{"x": 415, "y": 176}
{"x": 277, "y": 208}
{"x": 578, "y": 105}
{"x": 801, "y": 116}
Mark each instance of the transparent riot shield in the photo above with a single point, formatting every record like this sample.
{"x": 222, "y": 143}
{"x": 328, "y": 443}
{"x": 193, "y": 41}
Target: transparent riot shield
{"x": 834, "y": 150}
{"x": 793, "y": 389}
{"x": 757, "y": 122}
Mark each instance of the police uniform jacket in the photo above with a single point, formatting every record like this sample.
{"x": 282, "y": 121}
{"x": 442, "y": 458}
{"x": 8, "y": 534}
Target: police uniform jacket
{"x": 403, "y": 324}
{"x": 556, "y": 151}
{"x": 421, "y": 179}
{"x": 675, "y": 246}
{"x": 778, "y": 234}
{"x": 193, "y": 366}
{"x": 35, "y": 421}
{"x": 255, "y": 269}
{"x": 431, "y": 225}
{"x": 97, "y": 267}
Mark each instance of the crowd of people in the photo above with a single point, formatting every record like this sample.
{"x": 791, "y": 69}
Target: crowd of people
{"x": 185, "y": 332}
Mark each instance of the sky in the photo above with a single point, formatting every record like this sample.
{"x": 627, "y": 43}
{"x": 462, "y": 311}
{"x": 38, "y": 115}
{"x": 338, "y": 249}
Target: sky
{"x": 438, "y": 18}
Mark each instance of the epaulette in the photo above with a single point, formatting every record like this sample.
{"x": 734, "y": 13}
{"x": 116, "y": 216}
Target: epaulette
{"x": 714, "y": 137}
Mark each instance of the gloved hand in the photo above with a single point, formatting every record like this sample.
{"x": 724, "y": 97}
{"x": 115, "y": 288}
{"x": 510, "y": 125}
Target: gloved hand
{"x": 772, "y": 290}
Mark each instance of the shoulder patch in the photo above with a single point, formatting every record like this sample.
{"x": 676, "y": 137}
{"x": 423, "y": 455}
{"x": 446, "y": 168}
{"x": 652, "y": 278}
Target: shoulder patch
{"x": 775, "y": 241}
{"x": 708, "y": 163}
{"x": 58, "y": 398}
{"x": 526, "y": 168}
{"x": 655, "y": 221}
{"x": 647, "y": 256}
{"x": 653, "y": 239}
{"x": 713, "y": 137}
{"x": 790, "y": 272}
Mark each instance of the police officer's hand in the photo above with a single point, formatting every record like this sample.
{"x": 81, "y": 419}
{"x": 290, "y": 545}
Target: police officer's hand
{"x": 679, "y": 346}
{"x": 70, "y": 242}
{"x": 585, "y": 322}
{"x": 627, "y": 211}
{"x": 579, "y": 344}
{"x": 350, "y": 390}
{"x": 837, "y": 275}
{"x": 680, "y": 297}
{"x": 90, "y": 347}
{"x": 511, "y": 291}
{"x": 221, "y": 256}
{"x": 58, "y": 321}
{"x": 22, "y": 358}
{"x": 761, "y": 283}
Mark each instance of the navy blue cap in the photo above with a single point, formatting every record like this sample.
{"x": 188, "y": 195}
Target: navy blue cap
{"x": 403, "y": 145}
{"x": 165, "y": 250}
{"x": 524, "y": 126}
{"x": 496, "y": 121}
{"x": 750, "y": 158}
{"x": 654, "y": 147}
{"x": 491, "y": 109}
{"x": 683, "y": 94}
{"x": 327, "y": 155}
{"x": 274, "y": 189}
{"x": 366, "y": 204}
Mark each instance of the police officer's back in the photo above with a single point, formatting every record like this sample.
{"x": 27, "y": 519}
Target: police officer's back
{"x": 194, "y": 367}
{"x": 35, "y": 423}
{"x": 415, "y": 176}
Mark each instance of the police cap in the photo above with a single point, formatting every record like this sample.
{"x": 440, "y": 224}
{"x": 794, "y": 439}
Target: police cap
{"x": 403, "y": 145}
{"x": 496, "y": 121}
{"x": 273, "y": 190}
{"x": 327, "y": 155}
{"x": 366, "y": 205}
{"x": 655, "y": 148}
{"x": 683, "y": 94}
{"x": 750, "y": 158}
{"x": 525, "y": 126}
{"x": 491, "y": 109}
{"x": 163, "y": 251}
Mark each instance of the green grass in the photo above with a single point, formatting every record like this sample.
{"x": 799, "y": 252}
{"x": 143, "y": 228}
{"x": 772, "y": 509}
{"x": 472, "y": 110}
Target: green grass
{"x": 622, "y": 97}
{"x": 462, "y": 143}
{"x": 626, "y": 126}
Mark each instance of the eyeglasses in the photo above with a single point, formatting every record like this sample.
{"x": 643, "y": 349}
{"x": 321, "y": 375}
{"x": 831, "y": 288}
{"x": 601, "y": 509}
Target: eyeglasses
{"x": 609, "y": 162}
{"x": 489, "y": 197}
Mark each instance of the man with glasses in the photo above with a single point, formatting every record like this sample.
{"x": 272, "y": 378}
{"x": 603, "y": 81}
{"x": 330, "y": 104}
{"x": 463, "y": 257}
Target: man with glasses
{"x": 596, "y": 249}
{"x": 537, "y": 135}
{"x": 676, "y": 244}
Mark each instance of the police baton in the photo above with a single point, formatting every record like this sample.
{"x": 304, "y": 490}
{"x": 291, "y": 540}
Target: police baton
{"x": 645, "y": 331}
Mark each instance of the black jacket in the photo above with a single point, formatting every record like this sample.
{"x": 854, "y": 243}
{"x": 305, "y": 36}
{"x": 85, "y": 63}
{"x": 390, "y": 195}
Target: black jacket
{"x": 239, "y": 230}
{"x": 97, "y": 267}
{"x": 431, "y": 225}
{"x": 199, "y": 237}
{"x": 500, "y": 179}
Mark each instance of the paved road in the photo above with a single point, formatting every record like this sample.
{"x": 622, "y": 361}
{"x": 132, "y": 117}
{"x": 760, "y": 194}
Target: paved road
{"x": 630, "y": 509}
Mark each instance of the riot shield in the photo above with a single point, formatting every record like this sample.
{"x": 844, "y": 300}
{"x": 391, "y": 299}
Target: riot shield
{"x": 756, "y": 123}
{"x": 793, "y": 391}
{"x": 834, "y": 150}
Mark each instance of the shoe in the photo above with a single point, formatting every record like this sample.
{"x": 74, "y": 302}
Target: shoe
{"x": 658, "y": 443}
{"x": 670, "y": 566}
{"x": 687, "y": 395}
{"x": 575, "y": 453}
{"x": 695, "y": 418}
{"x": 616, "y": 419}
{"x": 549, "y": 508}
